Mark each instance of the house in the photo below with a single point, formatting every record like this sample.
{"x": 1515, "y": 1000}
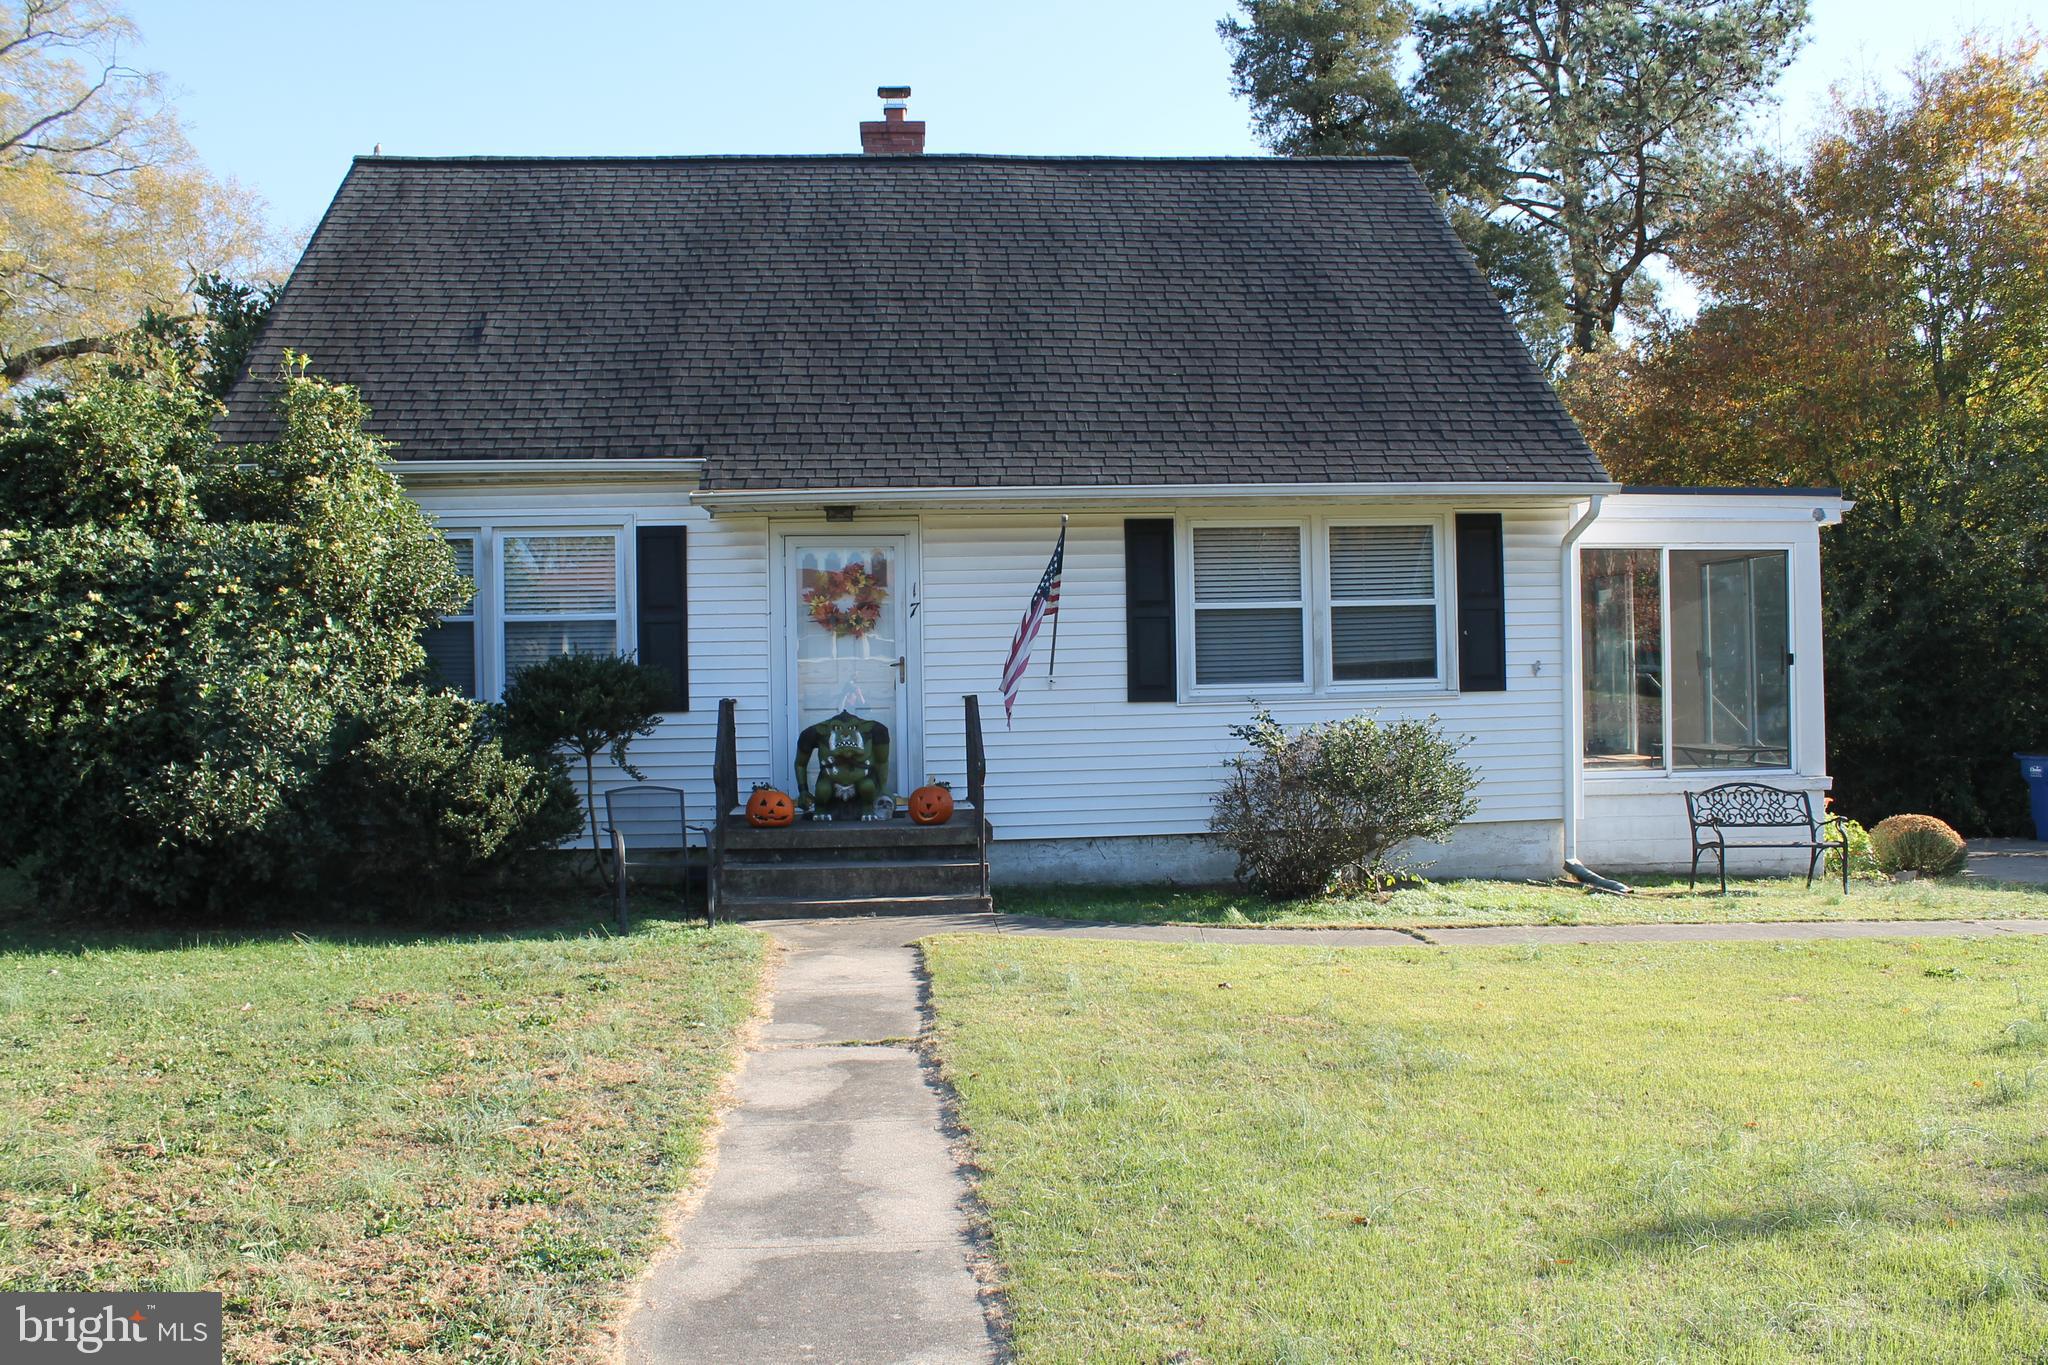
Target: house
{"x": 662, "y": 404}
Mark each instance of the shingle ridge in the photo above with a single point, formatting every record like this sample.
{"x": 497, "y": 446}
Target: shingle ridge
{"x": 869, "y": 159}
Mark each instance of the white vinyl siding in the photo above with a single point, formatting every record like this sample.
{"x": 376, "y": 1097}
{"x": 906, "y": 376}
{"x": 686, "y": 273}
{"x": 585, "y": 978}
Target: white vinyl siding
{"x": 451, "y": 645}
{"x": 728, "y": 614}
{"x": 1080, "y": 761}
{"x": 560, "y": 594}
{"x": 1250, "y": 606}
{"x": 1384, "y": 609}
{"x": 1078, "y": 748}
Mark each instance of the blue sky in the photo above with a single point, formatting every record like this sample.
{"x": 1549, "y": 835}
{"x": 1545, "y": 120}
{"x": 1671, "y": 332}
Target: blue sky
{"x": 281, "y": 95}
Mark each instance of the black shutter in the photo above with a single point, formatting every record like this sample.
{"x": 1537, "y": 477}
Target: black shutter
{"x": 1148, "y": 610}
{"x": 664, "y": 597}
{"x": 1482, "y": 604}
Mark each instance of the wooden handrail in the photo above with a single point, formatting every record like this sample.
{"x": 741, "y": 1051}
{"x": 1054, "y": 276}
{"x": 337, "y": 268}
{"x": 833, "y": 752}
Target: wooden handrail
{"x": 977, "y": 757}
{"x": 725, "y": 793}
{"x": 977, "y": 783}
{"x": 725, "y": 763}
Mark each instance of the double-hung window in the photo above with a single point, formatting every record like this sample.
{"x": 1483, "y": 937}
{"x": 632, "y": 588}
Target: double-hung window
{"x": 451, "y": 645}
{"x": 1383, "y": 603}
{"x": 559, "y": 593}
{"x": 1250, "y": 605}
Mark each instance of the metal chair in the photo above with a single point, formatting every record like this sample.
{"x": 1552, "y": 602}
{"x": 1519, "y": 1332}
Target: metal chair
{"x": 653, "y": 813}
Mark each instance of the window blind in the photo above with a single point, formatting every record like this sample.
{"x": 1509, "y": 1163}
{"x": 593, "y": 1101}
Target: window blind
{"x": 1382, "y": 642}
{"x": 1248, "y": 613}
{"x": 465, "y": 564}
{"x": 560, "y": 576}
{"x": 451, "y": 643}
{"x": 560, "y": 595}
{"x": 1382, "y": 561}
{"x": 529, "y": 642}
{"x": 1248, "y": 645}
{"x": 1247, "y": 563}
{"x": 1373, "y": 634}
{"x": 451, "y": 655}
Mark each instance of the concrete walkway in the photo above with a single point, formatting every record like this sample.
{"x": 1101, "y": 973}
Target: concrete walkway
{"x": 836, "y": 1223}
{"x": 2009, "y": 860}
{"x": 1484, "y": 934}
{"x": 835, "y": 1226}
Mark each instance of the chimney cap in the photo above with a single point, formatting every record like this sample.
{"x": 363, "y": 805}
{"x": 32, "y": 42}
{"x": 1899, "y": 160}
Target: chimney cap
{"x": 892, "y": 92}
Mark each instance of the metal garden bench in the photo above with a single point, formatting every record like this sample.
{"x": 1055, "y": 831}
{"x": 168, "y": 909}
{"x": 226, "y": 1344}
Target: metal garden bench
{"x": 1754, "y": 806}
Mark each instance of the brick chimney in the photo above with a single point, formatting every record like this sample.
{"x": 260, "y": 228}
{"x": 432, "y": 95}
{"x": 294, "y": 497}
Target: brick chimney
{"x": 892, "y": 136}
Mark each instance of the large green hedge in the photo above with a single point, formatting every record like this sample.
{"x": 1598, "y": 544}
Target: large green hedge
{"x": 210, "y": 659}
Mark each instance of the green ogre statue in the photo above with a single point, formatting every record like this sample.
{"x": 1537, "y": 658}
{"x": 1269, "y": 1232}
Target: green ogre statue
{"x": 853, "y": 767}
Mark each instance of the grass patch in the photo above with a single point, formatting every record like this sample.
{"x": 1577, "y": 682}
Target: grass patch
{"x": 1690, "y": 1152}
{"x": 436, "y": 1147}
{"x": 1657, "y": 900}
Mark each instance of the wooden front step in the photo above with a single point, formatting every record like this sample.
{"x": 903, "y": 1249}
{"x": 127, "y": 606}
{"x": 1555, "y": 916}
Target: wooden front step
{"x": 811, "y": 836}
{"x": 853, "y": 867}
{"x": 783, "y": 907}
{"x": 819, "y": 878}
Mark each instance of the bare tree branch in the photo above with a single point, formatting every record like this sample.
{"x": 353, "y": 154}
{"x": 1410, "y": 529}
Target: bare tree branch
{"x": 17, "y": 367}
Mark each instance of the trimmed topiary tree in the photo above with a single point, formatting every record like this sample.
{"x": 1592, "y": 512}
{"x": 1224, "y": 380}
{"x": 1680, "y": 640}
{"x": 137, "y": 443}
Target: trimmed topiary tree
{"x": 588, "y": 704}
{"x": 1306, "y": 809}
{"x": 1918, "y": 843}
{"x": 207, "y": 658}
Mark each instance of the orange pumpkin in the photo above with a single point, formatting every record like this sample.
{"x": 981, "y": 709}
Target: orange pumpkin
{"x": 932, "y": 805}
{"x": 768, "y": 808}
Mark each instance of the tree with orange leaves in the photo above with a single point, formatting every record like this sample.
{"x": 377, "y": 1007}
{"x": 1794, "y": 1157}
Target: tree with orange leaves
{"x": 1876, "y": 318}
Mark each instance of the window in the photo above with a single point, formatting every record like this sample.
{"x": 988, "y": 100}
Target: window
{"x": 1731, "y": 676}
{"x": 451, "y": 645}
{"x": 1383, "y": 614}
{"x": 1249, "y": 607}
{"x": 559, "y": 594}
{"x": 1690, "y": 647}
{"x": 1621, "y": 616}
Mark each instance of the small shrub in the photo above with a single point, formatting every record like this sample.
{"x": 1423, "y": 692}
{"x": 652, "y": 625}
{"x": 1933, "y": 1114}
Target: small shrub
{"x": 1918, "y": 843}
{"x": 1861, "y": 863}
{"x": 424, "y": 792}
{"x": 587, "y": 704}
{"x": 1331, "y": 801}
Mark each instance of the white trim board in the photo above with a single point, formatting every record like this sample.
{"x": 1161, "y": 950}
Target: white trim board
{"x": 1125, "y": 494}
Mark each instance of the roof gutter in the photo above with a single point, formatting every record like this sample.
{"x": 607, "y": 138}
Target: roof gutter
{"x": 770, "y": 498}
{"x": 628, "y": 470}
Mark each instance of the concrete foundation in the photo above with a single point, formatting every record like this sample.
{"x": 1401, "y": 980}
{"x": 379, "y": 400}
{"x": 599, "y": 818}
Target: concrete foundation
{"x": 1505, "y": 849}
{"x": 1643, "y": 828}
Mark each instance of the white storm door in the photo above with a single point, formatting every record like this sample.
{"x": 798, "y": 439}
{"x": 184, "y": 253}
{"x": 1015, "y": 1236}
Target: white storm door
{"x": 847, "y": 644}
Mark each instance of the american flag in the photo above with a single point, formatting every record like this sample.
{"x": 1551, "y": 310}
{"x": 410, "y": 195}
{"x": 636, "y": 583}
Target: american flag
{"x": 1045, "y": 602}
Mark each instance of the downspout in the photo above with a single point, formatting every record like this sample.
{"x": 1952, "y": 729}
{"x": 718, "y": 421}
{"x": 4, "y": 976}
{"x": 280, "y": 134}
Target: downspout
{"x": 1574, "y": 718}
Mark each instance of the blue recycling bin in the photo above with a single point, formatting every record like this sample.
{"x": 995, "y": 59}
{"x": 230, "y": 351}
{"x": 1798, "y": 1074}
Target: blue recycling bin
{"x": 2034, "y": 767}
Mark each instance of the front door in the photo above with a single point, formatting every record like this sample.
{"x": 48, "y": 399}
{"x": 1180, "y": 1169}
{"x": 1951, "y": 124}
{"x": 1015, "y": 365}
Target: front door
{"x": 847, "y": 642}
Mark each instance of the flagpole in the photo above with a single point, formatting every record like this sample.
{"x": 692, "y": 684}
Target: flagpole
{"x": 1052, "y": 654}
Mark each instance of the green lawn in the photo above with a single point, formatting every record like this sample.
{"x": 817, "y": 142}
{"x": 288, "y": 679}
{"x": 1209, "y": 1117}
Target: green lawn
{"x": 1657, "y": 900}
{"x": 1690, "y": 1152}
{"x": 430, "y": 1147}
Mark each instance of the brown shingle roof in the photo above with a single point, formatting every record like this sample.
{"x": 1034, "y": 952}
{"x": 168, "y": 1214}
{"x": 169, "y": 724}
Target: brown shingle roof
{"x": 916, "y": 321}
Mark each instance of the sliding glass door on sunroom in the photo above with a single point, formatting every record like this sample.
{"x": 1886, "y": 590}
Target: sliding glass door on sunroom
{"x": 1686, "y": 658}
{"x": 1733, "y": 707}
